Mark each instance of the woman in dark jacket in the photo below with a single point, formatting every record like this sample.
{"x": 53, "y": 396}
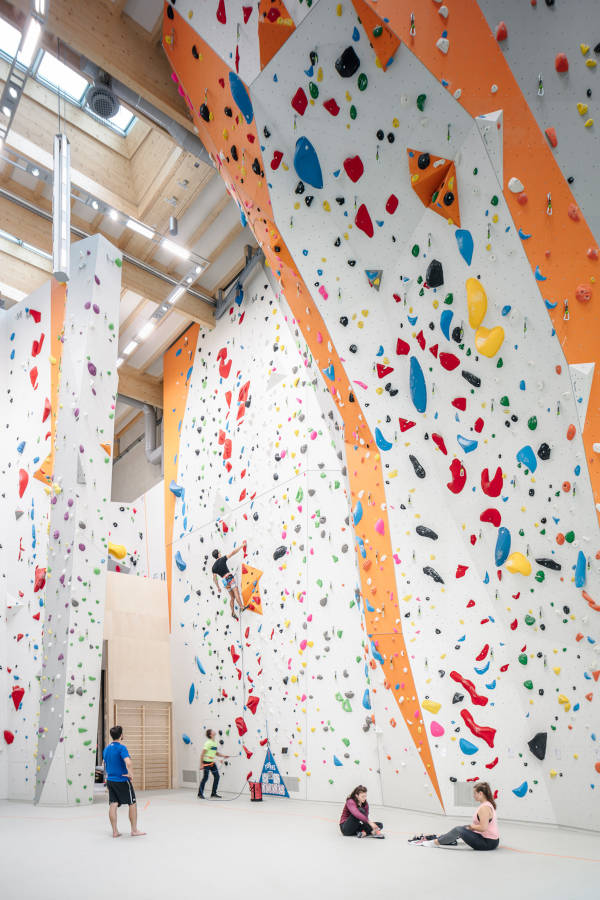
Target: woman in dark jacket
{"x": 355, "y": 821}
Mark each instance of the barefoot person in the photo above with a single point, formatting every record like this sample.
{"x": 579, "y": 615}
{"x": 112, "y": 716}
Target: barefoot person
{"x": 354, "y": 821}
{"x": 482, "y": 834}
{"x": 117, "y": 777}
{"x": 208, "y": 764}
{"x": 220, "y": 570}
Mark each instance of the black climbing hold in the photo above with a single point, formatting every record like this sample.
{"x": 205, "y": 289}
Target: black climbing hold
{"x": 475, "y": 380}
{"x": 448, "y": 198}
{"x": 428, "y": 570}
{"x": 256, "y": 166}
{"x": 234, "y": 152}
{"x": 337, "y": 242}
{"x": 352, "y": 263}
{"x": 457, "y": 334}
{"x": 423, "y": 160}
{"x": 544, "y": 451}
{"x": 570, "y": 179}
{"x": 228, "y": 112}
{"x": 195, "y": 53}
{"x": 419, "y": 470}
{"x": 391, "y": 138}
{"x": 309, "y": 199}
{"x": 597, "y": 48}
{"x": 549, "y": 2}
{"x": 393, "y": 392}
{"x": 351, "y": 398}
{"x": 453, "y": 779}
{"x": 458, "y": 698}
{"x": 170, "y": 13}
{"x": 353, "y": 348}
{"x": 380, "y": 134}
{"x": 549, "y": 564}
{"x": 537, "y": 744}
{"x": 277, "y": 248}
{"x": 348, "y": 63}
{"x": 426, "y": 532}
{"x": 266, "y": 132}
{"x": 299, "y": 189}
{"x": 314, "y": 58}
{"x": 204, "y": 112}
{"x": 281, "y": 551}
{"x": 435, "y": 274}
{"x": 344, "y": 320}
{"x": 340, "y": 201}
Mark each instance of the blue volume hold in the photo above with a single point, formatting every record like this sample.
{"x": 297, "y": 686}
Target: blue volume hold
{"x": 527, "y": 457}
{"x": 502, "y": 546}
{"x": 580, "y": 569}
{"x": 240, "y": 97}
{"x": 464, "y": 239}
{"x": 306, "y": 163}
{"x": 445, "y": 320}
{"x": 418, "y": 389}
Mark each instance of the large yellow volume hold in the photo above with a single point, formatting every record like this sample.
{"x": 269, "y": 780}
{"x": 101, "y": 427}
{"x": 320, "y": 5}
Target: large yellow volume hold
{"x": 117, "y": 550}
{"x": 489, "y": 340}
{"x": 517, "y": 562}
{"x": 476, "y": 302}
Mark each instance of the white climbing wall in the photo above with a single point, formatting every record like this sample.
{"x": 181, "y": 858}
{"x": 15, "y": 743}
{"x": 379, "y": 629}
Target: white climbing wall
{"x": 56, "y": 555}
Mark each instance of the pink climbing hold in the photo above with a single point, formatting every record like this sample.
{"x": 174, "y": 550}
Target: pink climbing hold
{"x": 221, "y": 14}
{"x": 353, "y": 167}
{"x": 363, "y": 220}
{"x": 380, "y": 526}
{"x": 436, "y": 729}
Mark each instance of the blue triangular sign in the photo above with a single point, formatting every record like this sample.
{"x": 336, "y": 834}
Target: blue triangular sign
{"x": 271, "y": 781}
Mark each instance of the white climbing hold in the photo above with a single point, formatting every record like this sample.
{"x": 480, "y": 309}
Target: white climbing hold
{"x": 494, "y": 89}
{"x": 443, "y": 11}
{"x": 443, "y": 44}
{"x": 457, "y": 93}
{"x": 515, "y": 185}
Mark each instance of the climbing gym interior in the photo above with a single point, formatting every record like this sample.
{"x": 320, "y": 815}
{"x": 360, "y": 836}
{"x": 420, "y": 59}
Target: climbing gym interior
{"x": 300, "y": 448}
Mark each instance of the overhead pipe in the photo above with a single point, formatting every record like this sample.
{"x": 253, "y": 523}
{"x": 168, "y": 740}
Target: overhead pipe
{"x": 153, "y": 452}
{"x": 254, "y": 257}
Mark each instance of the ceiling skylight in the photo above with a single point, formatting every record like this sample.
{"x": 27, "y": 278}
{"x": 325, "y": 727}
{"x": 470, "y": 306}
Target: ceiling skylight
{"x": 123, "y": 119}
{"x": 62, "y": 77}
{"x": 10, "y": 38}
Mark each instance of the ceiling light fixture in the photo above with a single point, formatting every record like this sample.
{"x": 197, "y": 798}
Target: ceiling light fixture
{"x": 146, "y": 330}
{"x": 35, "y": 172}
{"x": 130, "y": 348}
{"x": 94, "y": 204}
{"x": 40, "y": 7}
{"x": 139, "y": 228}
{"x": 61, "y": 208}
{"x": 177, "y": 293}
{"x": 199, "y": 269}
{"x": 175, "y": 249}
{"x": 30, "y": 42}
{"x": 114, "y": 215}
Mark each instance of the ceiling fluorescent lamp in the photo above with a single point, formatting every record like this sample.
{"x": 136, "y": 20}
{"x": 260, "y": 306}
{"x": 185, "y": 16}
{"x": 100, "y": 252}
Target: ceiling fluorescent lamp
{"x": 177, "y": 293}
{"x": 114, "y": 215}
{"x": 130, "y": 348}
{"x": 40, "y": 7}
{"x": 61, "y": 209}
{"x": 175, "y": 249}
{"x": 30, "y": 42}
{"x": 147, "y": 329}
{"x": 139, "y": 228}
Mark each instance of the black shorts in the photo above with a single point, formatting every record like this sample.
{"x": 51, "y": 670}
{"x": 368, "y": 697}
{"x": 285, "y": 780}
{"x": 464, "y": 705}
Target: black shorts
{"x": 121, "y": 793}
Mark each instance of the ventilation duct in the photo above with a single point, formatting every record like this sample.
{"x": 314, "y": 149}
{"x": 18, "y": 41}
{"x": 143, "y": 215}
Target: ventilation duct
{"x": 101, "y": 99}
{"x": 153, "y": 452}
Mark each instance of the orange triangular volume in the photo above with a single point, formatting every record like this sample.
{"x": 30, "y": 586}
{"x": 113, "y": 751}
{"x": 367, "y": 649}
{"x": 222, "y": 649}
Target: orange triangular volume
{"x": 272, "y": 33}
{"x": 381, "y": 37}
{"x": 427, "y": 173}
{"x": 250, "y": 592}
{"x": 58, "y": 299}
{"x": 445, "y": 201}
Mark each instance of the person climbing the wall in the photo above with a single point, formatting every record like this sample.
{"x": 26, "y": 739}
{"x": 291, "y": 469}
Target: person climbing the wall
{"x": 354, "y": 821}
{"x": 220, "y": 570}
{"x": 118, "y": 779}
{"x": 208, "y": 764}
{"x": 482, "y": 834}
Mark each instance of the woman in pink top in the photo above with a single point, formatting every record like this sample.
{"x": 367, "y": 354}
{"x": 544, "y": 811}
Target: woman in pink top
{"x": 355, "y": 821}
{"x": 482, "y": 834}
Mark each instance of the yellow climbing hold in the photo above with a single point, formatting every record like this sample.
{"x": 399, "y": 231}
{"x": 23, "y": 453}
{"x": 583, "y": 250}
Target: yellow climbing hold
{"x": 582, "y": 108}
{"x": 584, "y": 48}
{"x": 117, "y": 550}
{"x": 517, "y": 562}
{"x": 564, "y": 701}
{"x": 556, "y": 670}
{"x": 489, "y": 340}
{"x": 591, "y": 63}
{"x": 476, "y": 302}
{"x": 553, "y": 773}
{"x": 431, "y": 706}
{"x": 589, "y": 123}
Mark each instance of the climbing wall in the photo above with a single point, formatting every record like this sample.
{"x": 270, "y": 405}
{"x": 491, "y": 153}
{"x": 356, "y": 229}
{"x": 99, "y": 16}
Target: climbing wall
{"x": 443, "y": 277}
{"x": 136, "y": 538}
{"x": 58, "y": 407}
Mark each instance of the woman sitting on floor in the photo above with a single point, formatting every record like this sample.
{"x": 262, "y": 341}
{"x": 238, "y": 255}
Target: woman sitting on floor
{"x": 355, "y": 821}
{"x": 482, "y": 834}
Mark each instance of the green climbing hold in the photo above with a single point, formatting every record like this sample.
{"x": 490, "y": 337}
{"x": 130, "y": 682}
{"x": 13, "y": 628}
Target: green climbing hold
{"x": 475, "y": 170}
{"x": 539, "y": 576}
{"x": 532, "y": 423}
{"x": 494, "y": 200}
{"x": 421, "y": 102}
{"x": 500, "y": 363}
{"x": 504, "y": 401}
{"x": 378, "y": 31}
{"x": 449, "y": 299}
{"x": 528, "y": 684}
{"x": 313, "y": 90}
{"x": 353, "y": 111}
{"x": 570, "y": 537}
{"x": 362, "y": 82}
{"x": 523, "y": 659}
{"x": 415, "y": 250}
{"x": 529, "y": 620}
{"x": 119, "y": 263}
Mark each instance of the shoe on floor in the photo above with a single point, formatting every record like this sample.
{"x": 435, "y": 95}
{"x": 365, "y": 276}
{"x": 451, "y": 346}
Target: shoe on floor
{"x": 360, "y": 834}
{"x": 379, "y": 835}
{"x": 200, "y": 795}
{"x": 218, "y": 796}
{"x": 428, "y": 844}
{"x": 415, "y": 838}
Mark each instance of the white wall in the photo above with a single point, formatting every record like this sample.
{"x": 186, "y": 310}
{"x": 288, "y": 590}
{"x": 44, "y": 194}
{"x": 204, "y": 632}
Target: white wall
{"x": 132, "y": 474}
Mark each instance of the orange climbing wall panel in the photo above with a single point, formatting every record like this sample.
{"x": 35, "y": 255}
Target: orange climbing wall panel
{"x": 58, "y": 299}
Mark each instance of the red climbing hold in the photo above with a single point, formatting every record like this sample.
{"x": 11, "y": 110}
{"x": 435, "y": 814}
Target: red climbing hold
{"x": 17, "y": 695}
{"x": 492, "y": 516}
{"x": 392, "y": 204}
{"x": 461, "y": 571}
{"x": 434, "y": 350}
{"x": 514, "y": 624}
{"x": 459, "y": 476}
{"x": 421, "y": 340}
{"x": 492, "y": 764}
{"x": 402, "y": 348}
{"x": 221, "y": 14}
{"x": 37, "y": 345}
{"x": 405, "y": 424}
{"x": 382, "y": 370}
{"x": 551, "y": 135}
{"x": 331, "y": 107}
{"x": 460, "y": 403}
{"x": 353, "y": 167}
{"x": 300, "y": 101}
{"x": 35, "y": 315}
{"x": 561, "y": 63}
{"x": 8, "y": 736}
{"x": 277, "y": 157}
{"x": 483, "y": 653}
{"x": 484, "y": 732}
{"x": 39, "y": 581}
{"x": 235, "y": 656}
{"x": 47, "y": 409}
{"x": 438, "y": 440}
{"x": 479, "y": 423}
{"x": 33, "y": 377}
{"x": 449, "y": 361}
{"x": 252, "y": 703}
{"x": 363, "y": 220}
{"x": 247, "y": 752}
{"x": 501, "y": 31}
{"x": 23, "y": 481}
{"x": 469, "y": 687}
{"x": 247, "y": 12}
{"x": 491, "y": 488}
{"x": 241, "y": 726}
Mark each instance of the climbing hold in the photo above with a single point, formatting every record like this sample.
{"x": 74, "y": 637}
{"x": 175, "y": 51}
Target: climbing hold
{"x": 23, "y": 481}
{"x": 501, "y": 31}
{"x": 366, "y": 700}
{"x": 380, "y": 526}
{"x": 489, "y": 340}
{"x": 583, "y": 293}
{"x": 363, "y": 220}
{"x": 176, "y": 489}
{"x": 419, "y": 470}
{"x": 186, "y": 739}
{"x": 515, "y": 185}
{"x": 17, "y": 695}
{"x": 8, "y": 736}
{"x": 353, "y": 167}
{"x": 431, "y": 706}
{"x": 551, "y": 135}
{"x": 306, "y": 163}
{"x": 117, "y": 550}
{"x": 537, "y": 744}
{"x": 464, "y": 239}
{"x": 418, "y": 389}
{"x": 281, "y": 551}
{"x": 423, "y": 531}
{"x": 436, "y": 729}
{"x": 491, "y": 487}
{"x": 181, "y": 565}
{"x": 521, "y": 790}
{"x": 348, "y": 63}
{"x": 435, "y": 274}
{"x": 580, "y": 569}
{"x": 200, "y": 667}
{"x": 502, "y": 546}
{"x": 526, "y": 457}
{"x": 467, "y": 747}
{"x": 459, "y": 476}
{"x": 428, "y": 570}
{"x": 561, "y": 63}
{"x": 381, "y": 442}
{"x": 518, "y": 563}
{"x": 191, "y": 693}
{"x": 476, "y": 302}
{"x": 241, "y": 726}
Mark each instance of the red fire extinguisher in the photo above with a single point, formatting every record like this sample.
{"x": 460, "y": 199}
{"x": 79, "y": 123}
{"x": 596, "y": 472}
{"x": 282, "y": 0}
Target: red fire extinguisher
{"x": 255, "y": 791}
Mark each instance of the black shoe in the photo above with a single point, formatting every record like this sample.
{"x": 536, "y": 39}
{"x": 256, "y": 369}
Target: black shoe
{"x": 200, "y": 795}
{"x": 218, "y": 796}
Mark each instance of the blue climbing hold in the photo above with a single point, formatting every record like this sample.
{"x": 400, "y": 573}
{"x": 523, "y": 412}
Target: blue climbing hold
{"x": 366, "y": 701}
{"x": 186, "y": 739}
{"x": 358, "y": 512}
{"x": 502, "y": 546}
{"x": 464, "y": 239}
{"x": 418, "y": 389}
{"x": 550, "y": 305}
{"x": 521, "y": 790}
{"x": 505, "y": 310}
{"x": 523, "y": 236}
{"x": 306, "y": 163}
{"x": 538, "y": 274}
{"x": 580, "y": 568}
{"x": 330, "y": 372}
{"x": 200, "y": 666}
{"x": 336, "y": 761}
{"x": 176, "y": 489}
{"x": 241, "y": 97}
{"x": 192, "y": 693}
{"x": 467, "y": 747}
{"x": 467, "y": 444}
{"x": 382, "y": 442}
{"x": 181, "y": 565}
{"x": 445, "y": 320}
{"x": 21, "y": 447}
{"x": 376, "y": 654}
{"x": 380, "y": 351}
{"x": 483, "y": 669}
{"x": 527, "y": 457}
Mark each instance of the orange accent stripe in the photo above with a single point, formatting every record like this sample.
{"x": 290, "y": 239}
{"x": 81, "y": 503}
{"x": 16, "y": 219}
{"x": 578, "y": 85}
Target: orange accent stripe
{"x": 58, "y": 301}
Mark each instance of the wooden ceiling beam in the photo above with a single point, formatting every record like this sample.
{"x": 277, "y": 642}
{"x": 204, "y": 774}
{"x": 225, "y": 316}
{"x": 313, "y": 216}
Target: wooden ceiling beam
{"x": 116, "y": 44}
{"x": 140, "y": 387}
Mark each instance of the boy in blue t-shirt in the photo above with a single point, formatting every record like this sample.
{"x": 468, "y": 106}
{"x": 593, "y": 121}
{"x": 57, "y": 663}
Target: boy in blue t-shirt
{"x": 117, "y": 777}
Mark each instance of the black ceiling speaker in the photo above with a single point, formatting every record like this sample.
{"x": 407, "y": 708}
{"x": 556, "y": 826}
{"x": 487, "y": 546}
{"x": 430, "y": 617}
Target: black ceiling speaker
{"x": 101, "y": 99}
